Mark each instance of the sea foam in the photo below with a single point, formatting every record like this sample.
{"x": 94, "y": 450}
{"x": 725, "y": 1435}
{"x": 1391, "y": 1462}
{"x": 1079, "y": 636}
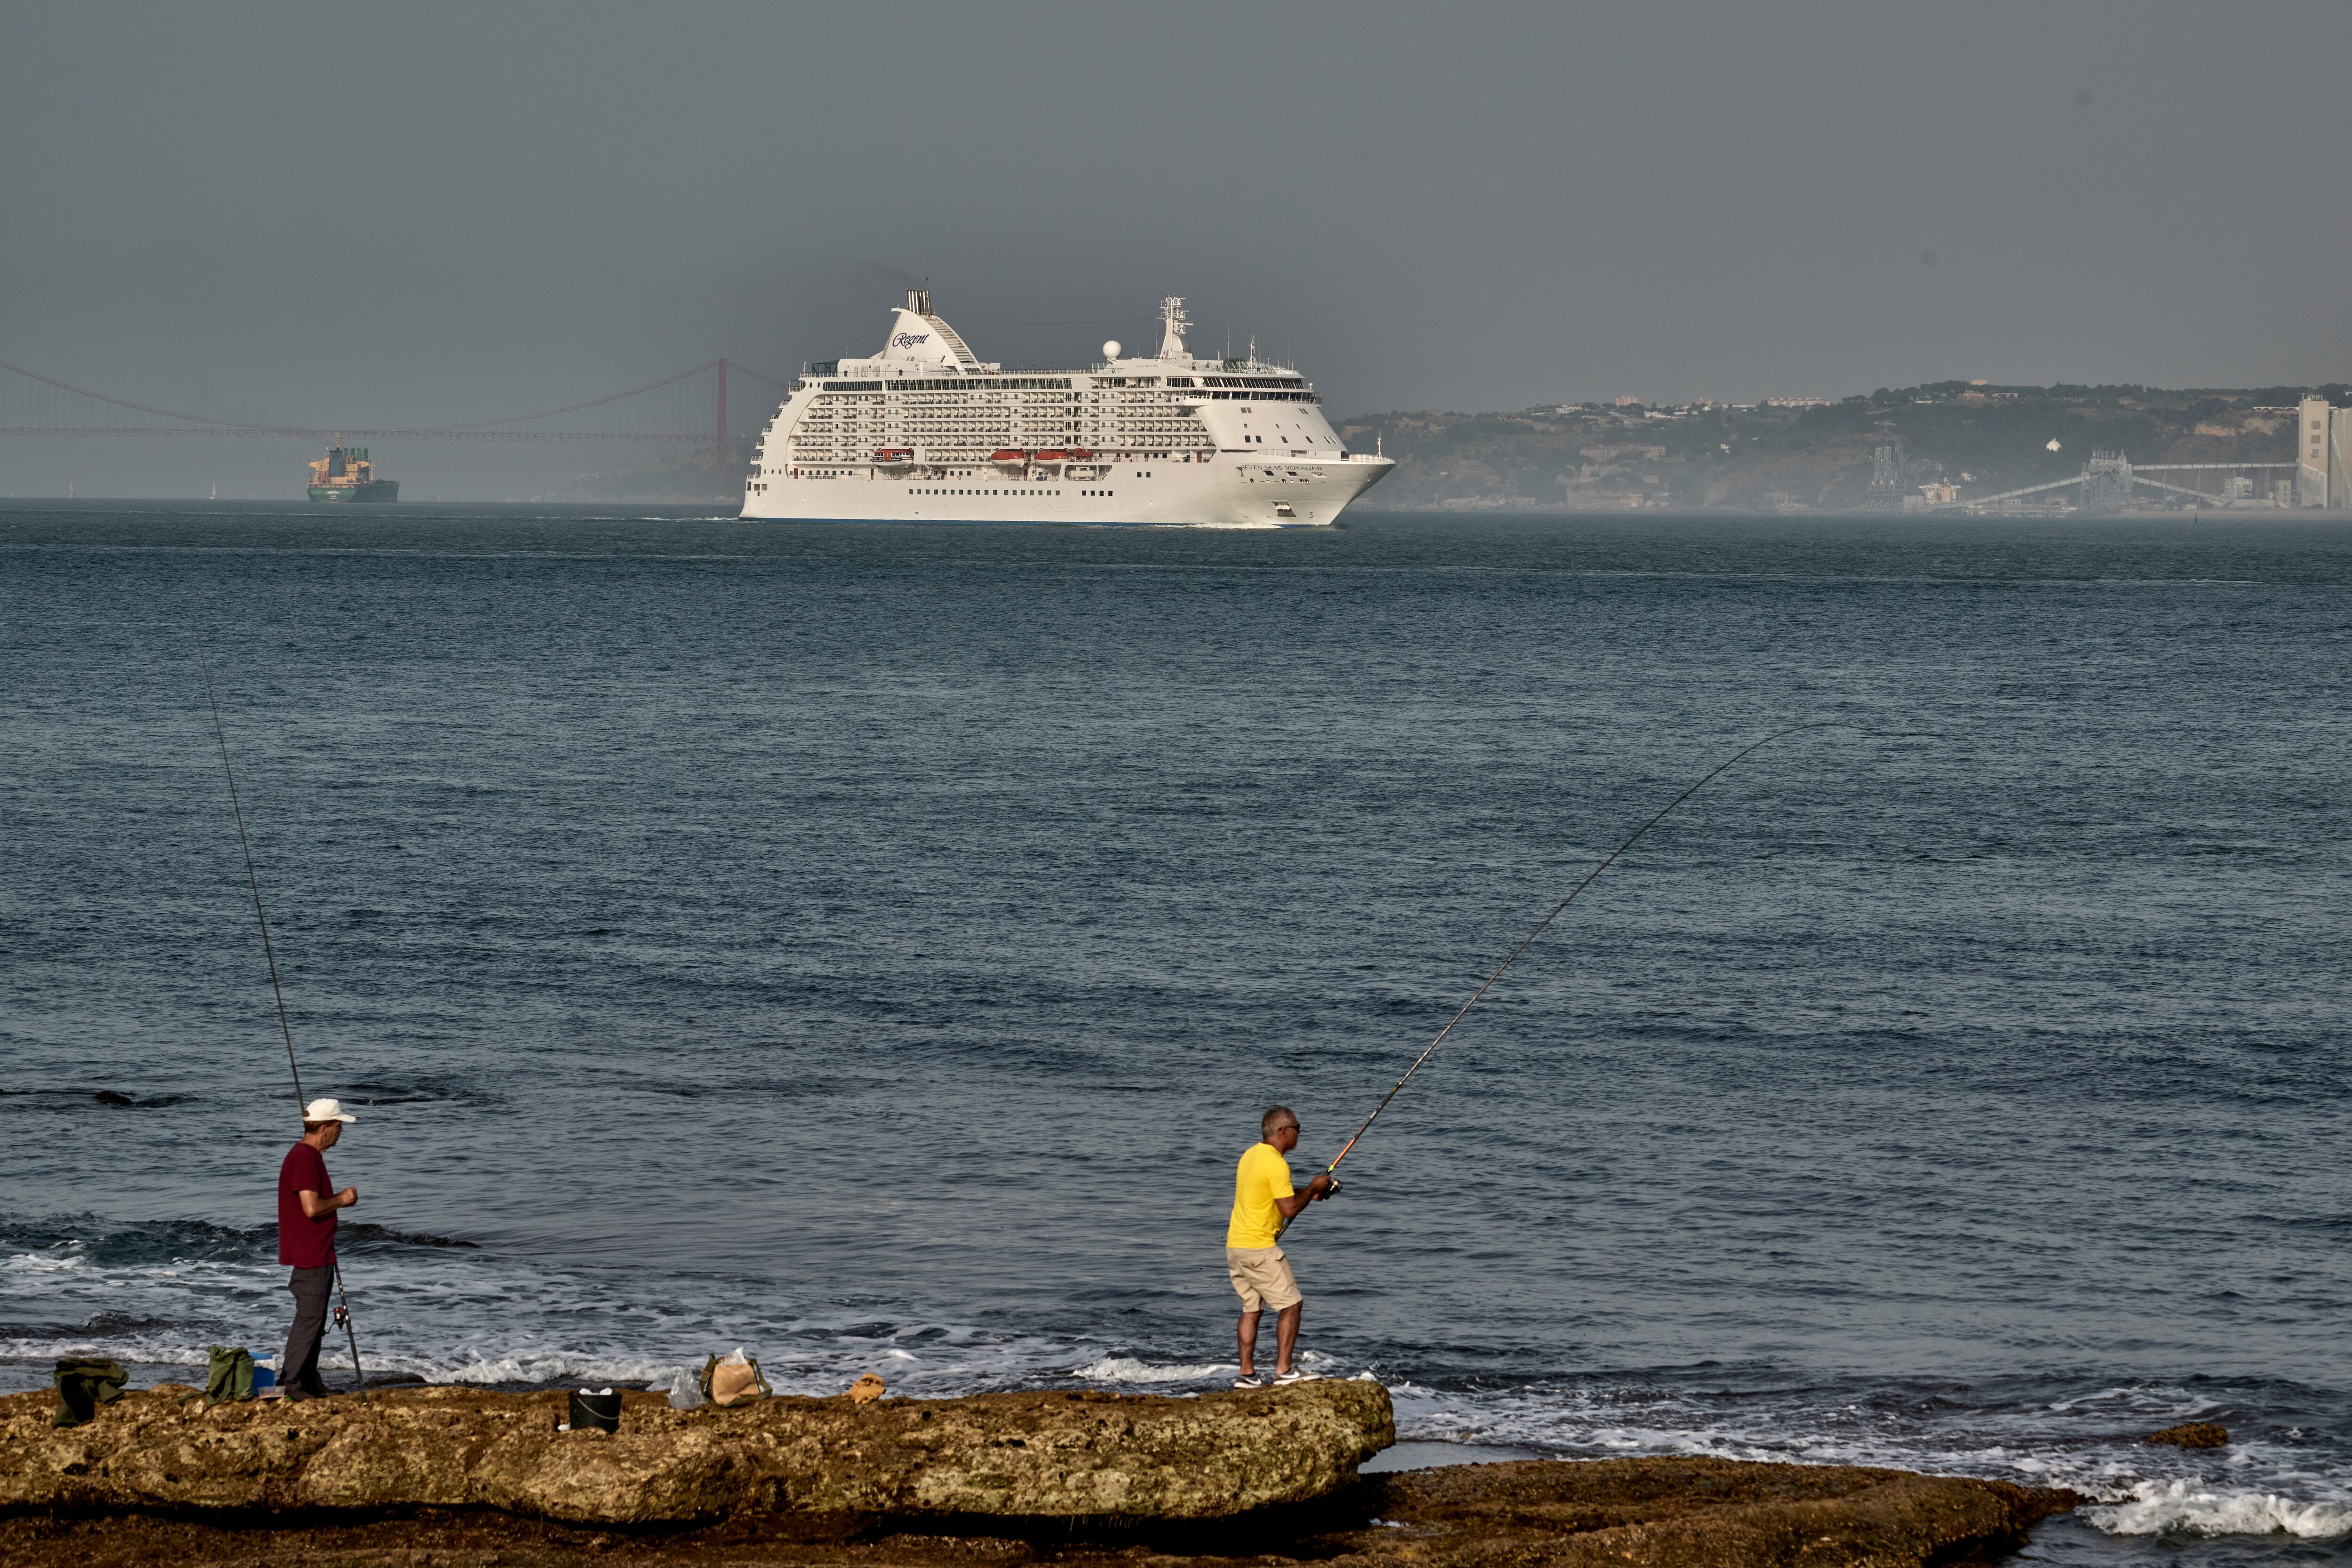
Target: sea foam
{"x": 2158, "y": 1507}
{"x": 1127, "y": 1369}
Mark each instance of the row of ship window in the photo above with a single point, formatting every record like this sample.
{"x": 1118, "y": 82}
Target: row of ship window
{"x": 1007, "y": 492}
{"x": 1001, "y": 416}
{"x": 816, "y": 456}
{"x": 1022, "y": 404}
{"x": 1029, "y": 435}
{"x": 1060, "y": 383}
{"x": 962, "y": 383}
{"x": 1013, "y": 417}
{"x": 1158, "y": 416}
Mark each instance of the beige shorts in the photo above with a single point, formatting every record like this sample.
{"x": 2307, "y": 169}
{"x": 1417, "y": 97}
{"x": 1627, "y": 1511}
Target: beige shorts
{"x": 1262, "y": 1276}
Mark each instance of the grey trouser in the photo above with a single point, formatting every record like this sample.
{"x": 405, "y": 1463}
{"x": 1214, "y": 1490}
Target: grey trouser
{"x": 299, "y": 1367}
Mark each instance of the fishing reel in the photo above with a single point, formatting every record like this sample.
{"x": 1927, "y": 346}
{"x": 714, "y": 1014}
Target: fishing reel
{"x": 343, "y": 1316}
{"x": 1333, "y": 1190}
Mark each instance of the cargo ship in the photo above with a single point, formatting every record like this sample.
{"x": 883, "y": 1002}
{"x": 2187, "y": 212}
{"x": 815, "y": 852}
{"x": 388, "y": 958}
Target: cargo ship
{"x": 346, "y": 474}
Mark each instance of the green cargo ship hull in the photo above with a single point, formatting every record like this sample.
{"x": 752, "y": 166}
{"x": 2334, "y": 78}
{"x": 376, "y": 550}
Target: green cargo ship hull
{"x": 374, "y": 490}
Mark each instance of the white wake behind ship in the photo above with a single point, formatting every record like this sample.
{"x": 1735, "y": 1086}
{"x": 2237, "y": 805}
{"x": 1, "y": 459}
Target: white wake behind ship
{"x": 926, "y": 432}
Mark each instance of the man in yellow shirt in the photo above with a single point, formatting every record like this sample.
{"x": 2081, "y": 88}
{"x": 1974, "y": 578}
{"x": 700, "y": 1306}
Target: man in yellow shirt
{"x": 1263, "y": 1199}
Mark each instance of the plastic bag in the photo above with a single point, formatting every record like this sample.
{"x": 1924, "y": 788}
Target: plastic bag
{"x": 685, "y": 1390}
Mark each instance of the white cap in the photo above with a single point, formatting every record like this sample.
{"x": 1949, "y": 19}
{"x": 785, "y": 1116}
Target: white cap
{"x": 326, "y": 1110}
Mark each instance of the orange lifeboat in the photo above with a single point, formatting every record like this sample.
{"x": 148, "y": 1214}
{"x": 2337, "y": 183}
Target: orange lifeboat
{"x": 1011, "y": 457}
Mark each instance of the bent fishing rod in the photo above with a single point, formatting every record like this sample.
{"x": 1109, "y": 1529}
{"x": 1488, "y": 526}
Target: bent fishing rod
{"x": 1540, "y": 927}
{"x": 342, "y": 1301}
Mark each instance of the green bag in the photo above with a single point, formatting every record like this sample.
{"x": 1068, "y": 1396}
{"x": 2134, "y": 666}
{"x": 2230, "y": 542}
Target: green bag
{"x": 83, "y": 1384}
{"x": 229, "y": 1378}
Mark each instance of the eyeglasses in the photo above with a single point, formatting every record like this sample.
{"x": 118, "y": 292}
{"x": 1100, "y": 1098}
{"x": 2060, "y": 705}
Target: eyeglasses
{"x": 1288, "y": 1127}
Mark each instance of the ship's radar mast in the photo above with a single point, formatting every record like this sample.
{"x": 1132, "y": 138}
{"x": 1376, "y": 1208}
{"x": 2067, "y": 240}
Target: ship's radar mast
{"x": 1172, "y": 325}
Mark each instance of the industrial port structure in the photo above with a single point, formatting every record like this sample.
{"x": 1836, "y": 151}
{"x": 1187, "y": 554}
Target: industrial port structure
{"x": 2316, "y": 478}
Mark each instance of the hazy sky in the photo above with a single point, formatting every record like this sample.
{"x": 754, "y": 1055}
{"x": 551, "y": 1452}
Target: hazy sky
{"x": 404, "y": 213}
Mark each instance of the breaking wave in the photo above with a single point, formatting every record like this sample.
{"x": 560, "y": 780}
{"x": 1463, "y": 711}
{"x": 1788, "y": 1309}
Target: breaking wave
{"x": 1127, "y": 1369}
{"x": 2191, "y": 1508}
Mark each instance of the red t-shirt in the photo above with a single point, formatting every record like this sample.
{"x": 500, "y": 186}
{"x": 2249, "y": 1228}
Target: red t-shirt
{"x": 304, "y": 1242}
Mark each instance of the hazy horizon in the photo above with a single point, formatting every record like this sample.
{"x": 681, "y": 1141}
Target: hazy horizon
{"x": 349, "y": 216}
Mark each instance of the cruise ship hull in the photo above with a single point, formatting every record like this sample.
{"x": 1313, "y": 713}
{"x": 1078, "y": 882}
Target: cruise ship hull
{"x": 1231, "y": 493}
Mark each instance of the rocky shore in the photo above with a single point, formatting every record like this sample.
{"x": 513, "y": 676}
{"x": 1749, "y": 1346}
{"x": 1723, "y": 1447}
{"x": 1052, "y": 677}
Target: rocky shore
{"x": 1088, "y": 1479}
{"x": 1067, "y": 1456}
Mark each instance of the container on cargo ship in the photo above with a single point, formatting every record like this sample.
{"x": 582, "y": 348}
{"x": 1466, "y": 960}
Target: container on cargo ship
{"x": 346, "y": 474}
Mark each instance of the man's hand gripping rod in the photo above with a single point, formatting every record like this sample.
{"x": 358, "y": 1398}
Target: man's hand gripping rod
{"x": 1540, "y": 925}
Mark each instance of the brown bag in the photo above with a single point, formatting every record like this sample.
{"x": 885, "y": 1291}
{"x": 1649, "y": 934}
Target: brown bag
{"x": 865, "y": 1390}
{"x": 733, "y": 1379}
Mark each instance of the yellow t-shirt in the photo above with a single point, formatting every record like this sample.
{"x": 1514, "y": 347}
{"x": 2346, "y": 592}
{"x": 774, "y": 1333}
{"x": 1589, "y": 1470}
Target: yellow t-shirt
{"x": 1262, "y": 1176}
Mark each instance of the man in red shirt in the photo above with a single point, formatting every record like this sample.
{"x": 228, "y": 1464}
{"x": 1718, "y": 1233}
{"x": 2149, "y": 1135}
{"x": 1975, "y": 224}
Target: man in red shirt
{"x": 307, "y": 1203}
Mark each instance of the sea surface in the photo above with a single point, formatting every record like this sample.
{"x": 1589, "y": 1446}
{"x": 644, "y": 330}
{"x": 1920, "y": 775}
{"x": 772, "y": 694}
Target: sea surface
{"x": 873, "y": 947}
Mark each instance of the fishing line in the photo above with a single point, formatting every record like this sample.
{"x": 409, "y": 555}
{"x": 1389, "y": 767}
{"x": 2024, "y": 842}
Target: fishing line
{"x": 342, "y": 1301}
{"x": 1545, "y": 922}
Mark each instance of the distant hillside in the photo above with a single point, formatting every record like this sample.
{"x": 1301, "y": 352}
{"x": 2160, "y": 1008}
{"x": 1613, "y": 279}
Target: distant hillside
{"x": 1794, "y": 455}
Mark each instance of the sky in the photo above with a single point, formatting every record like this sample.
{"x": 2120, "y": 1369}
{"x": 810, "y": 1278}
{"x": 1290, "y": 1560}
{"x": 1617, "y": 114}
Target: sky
{"x": 419, "y": 214}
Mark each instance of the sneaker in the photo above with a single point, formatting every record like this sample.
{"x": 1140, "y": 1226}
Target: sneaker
{"x": 1294, "y": 1375}
{"x": 1250, "y": 1380}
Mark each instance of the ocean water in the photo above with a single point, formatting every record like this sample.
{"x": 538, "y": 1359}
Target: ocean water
{"x": 874, "y": 946}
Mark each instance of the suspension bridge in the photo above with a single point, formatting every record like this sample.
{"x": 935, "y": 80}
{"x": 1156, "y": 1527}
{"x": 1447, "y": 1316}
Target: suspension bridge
{"x": 689, "y": 408}
{"x": 2106, "y": 482}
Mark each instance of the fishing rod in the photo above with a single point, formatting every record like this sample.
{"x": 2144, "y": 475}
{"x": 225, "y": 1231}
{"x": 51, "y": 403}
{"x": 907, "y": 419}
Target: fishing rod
{"x": 269, "y": 956}
{"x": 1540, "y": 925}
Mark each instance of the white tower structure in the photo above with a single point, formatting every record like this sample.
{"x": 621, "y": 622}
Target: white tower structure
{"x": 1171, "y": 328}
{"x": 2312, "y": 441}
{"x": 2339, "y": 449}
{"x": 2323, "y": 447}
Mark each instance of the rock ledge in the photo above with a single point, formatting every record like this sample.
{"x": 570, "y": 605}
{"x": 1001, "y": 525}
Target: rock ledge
{"x": 1067, "y": 1456}
{"x": 1610, "y": 1513}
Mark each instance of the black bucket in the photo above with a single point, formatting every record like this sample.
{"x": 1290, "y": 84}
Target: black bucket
{"x": 595, "y": 1412}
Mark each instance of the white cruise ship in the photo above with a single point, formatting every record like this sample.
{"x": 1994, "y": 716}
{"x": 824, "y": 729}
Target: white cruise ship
{"x": 925, "y": 431}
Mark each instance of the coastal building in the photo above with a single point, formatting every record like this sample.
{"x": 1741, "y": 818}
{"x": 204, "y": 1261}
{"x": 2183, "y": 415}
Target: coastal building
{"x": 2323, "y": 438}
